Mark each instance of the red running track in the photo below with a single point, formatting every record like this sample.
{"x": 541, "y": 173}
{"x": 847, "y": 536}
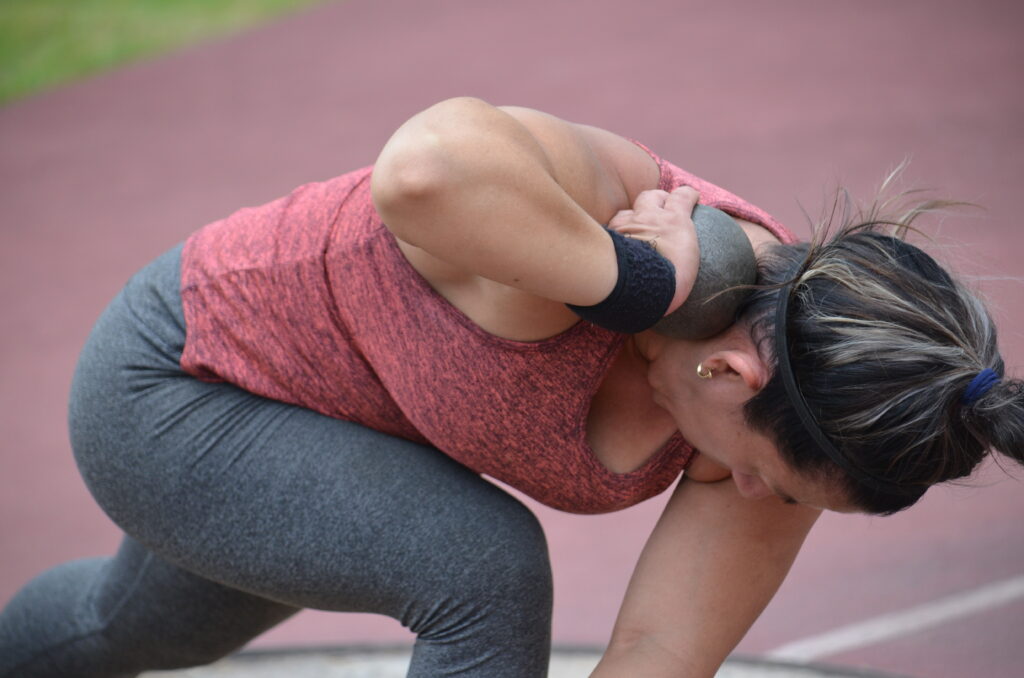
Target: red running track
{"x": 777, "y": 101}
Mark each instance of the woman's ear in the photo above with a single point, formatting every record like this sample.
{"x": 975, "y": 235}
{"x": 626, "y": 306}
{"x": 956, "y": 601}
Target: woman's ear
{"x": 749, "y": 367}
{"x": 742, "y": 362}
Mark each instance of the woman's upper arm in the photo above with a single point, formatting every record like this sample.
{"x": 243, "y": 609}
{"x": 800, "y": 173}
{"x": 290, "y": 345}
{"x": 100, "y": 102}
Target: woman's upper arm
{"x": 600, "y": 171}
{"x": 510, "y": 195}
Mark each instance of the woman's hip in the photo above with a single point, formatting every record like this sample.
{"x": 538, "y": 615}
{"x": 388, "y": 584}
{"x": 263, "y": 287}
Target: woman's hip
{"x": 128, "y": 388}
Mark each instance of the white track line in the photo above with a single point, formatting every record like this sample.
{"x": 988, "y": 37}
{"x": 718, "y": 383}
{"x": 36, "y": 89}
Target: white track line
{"x": 896, "y": 624}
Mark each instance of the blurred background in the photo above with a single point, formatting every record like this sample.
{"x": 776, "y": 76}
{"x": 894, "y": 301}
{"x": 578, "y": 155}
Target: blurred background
{"x": 45, "y": 43}
{"x": 125, "y": 125}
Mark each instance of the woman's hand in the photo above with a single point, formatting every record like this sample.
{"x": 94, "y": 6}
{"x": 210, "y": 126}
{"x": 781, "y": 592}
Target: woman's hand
{"x": 664, "y": 220}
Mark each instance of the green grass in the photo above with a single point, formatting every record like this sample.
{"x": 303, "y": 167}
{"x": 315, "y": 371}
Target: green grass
{"x": 44, "y": 43}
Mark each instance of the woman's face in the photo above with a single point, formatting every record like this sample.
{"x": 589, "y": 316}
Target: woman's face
{"x": 709, "y": 414}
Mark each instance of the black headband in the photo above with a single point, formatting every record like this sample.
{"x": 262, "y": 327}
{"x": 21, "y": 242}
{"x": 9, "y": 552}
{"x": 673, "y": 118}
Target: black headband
{"x": 785, "y": 370}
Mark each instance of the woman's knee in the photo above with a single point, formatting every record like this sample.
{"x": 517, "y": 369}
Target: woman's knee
{"x": 509, "y": 549}
{"x": 496, "y": 582}
{"x": 492, "y": 617}
{"x": 520, "y": 563}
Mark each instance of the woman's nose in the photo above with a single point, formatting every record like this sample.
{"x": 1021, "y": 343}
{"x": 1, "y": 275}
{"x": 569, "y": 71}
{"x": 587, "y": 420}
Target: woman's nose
{"x": 750, "y": 487}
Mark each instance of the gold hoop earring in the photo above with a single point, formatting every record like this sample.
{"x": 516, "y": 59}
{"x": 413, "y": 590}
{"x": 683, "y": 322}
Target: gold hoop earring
{"x": 702, "y": 374}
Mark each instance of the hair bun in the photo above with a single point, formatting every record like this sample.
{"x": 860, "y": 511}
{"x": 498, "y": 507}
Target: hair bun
{"x": 997, "y": 418}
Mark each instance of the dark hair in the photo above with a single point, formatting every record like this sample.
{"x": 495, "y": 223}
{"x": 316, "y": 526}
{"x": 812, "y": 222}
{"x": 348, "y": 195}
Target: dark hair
{"x": 883, "y": 344}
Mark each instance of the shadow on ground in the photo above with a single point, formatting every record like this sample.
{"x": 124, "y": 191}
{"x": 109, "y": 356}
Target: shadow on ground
{"x": 394, "y": 662}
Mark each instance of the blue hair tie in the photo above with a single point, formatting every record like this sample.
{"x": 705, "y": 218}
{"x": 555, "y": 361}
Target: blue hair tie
{"x": 979, "y": 386}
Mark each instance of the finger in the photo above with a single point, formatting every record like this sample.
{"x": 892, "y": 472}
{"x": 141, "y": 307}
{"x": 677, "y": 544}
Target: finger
{"x": 683, "y": 199}
{"x": 621, "y": 219}
{"x": 650, "y": 199}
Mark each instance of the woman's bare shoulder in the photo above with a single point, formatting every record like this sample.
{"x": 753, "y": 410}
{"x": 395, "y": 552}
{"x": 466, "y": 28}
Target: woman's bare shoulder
{"x": 583, "y": 154}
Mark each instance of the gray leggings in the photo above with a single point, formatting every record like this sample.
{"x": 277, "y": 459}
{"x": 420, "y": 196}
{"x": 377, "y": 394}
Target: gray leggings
{"x": 242, "y": 510}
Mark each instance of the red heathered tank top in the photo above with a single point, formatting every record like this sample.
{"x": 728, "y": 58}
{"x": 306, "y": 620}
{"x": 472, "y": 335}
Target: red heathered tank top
{"x": 308, "y": 300}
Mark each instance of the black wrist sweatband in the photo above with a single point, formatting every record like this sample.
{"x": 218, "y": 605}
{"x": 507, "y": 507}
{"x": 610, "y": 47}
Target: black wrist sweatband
{"x": 642, "y": 293}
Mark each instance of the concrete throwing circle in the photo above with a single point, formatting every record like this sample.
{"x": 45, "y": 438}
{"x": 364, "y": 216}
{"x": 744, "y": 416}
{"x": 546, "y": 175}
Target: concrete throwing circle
{"x": 393, "y": 663}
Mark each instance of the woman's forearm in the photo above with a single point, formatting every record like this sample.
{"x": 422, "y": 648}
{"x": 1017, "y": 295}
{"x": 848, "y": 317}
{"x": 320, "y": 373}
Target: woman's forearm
{"x": 472, "y": 186}
{"x": 710, "y": 567}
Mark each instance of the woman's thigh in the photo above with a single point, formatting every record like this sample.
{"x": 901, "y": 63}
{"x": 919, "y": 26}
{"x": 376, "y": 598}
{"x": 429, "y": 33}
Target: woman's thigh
{"x": 293, "y": 506}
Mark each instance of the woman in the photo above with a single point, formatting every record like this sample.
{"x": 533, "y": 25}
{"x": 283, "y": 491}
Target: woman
{"x": 315, "y": 439}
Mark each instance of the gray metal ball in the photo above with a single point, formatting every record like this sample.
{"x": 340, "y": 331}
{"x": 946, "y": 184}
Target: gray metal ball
{"x": 726, "y": 260}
